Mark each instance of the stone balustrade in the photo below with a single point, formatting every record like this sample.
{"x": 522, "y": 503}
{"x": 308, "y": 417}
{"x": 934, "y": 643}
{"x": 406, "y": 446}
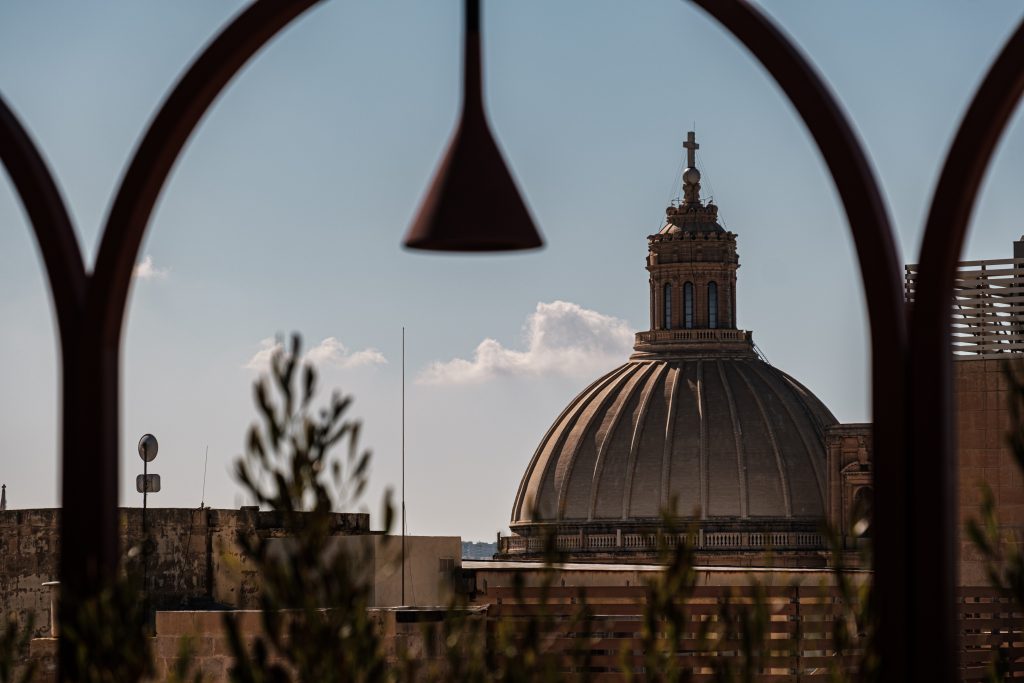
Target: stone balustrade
{"x": 651, "y": 542}
{"x": 692, "y": 335}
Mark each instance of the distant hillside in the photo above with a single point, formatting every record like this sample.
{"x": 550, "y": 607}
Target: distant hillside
{"x": 478, "y": 550}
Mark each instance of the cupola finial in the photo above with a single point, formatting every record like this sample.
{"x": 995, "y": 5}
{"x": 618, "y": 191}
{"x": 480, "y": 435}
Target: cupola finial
{"x": 691, "y": 176}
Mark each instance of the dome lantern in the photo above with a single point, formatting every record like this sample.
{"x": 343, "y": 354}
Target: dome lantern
{"x": 692, "y": 263}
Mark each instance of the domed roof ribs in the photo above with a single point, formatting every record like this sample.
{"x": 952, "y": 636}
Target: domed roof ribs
{"x": 783, "y": 474}
{"x": 638, "y": 432}
{"x": 819, "y": 412}
{"x": 737, "y": 434}
{"x": 572, "y": 412}
{"x": 670, "y": 427}
{"x": 800, "y": 424}
{"x": 573, "y": 437}
{"x": 610, "y": 425}
{"x": 704, "y": 472}
{"x": 572, "y": 440}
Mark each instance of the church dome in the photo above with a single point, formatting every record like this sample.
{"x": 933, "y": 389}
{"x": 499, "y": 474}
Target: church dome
{"x": 695, "y": 418}
{"x": 730, "y": 438}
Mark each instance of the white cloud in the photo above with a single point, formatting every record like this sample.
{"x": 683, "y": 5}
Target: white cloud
{"x": 147, "y": 271}
{"x": 328, "y": 353}
{"x": 332, "y": 352}
{"x": 261, "y": 359}
{"x": 561, "y": 338}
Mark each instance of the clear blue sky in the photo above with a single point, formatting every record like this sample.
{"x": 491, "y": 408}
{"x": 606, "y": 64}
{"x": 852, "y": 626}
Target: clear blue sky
{"x": 287, "y": 209}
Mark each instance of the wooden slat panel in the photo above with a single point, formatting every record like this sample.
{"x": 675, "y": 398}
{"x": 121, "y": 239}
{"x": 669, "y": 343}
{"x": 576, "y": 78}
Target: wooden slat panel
{"x": 987, "y": 308}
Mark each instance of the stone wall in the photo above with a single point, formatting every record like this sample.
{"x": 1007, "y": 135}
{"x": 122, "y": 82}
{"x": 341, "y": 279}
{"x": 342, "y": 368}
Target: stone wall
{"x": 404, "y": 632}
{"x": 206, "y": 638}
{"x": 849, "y": 477}
{"x": 982, "y": 424}
{"x": 194, "y": 560}
{"x": 29, "y": 542}
{"x": 409, "y": 632}
{"x": 431, "y": 563}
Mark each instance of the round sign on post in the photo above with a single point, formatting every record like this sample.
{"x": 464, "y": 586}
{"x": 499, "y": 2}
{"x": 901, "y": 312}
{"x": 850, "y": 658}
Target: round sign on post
{"x": 148, "y": 447}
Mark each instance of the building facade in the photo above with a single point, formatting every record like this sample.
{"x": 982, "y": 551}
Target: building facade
{"x": 987, "y": 319}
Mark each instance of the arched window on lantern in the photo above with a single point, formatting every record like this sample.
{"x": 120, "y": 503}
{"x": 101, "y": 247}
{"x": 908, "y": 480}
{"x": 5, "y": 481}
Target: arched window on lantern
{"x": 688, "y": 305}
{"x": 666, "y": 316}
{"x": 712, "y": 305}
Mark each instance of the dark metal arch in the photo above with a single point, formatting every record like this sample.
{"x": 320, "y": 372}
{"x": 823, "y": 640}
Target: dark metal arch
{"x": 91, "y": 311}
{"x": 969, "y": 156}
{"x": 163, "y": 142}
{"x": 48, "y": 217}
{"x": 90, "y": 308}
{"x": 855, "y": 180}
{"x": 880, "y": 273}
{"x": 933, "y": 545}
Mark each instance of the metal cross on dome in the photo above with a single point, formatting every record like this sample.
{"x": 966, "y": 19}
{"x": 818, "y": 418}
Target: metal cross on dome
{"x": 691, "y": 149}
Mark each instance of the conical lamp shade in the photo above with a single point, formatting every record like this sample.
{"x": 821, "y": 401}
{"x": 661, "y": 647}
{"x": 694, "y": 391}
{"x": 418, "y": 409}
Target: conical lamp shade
{"x": 473, "y": 203}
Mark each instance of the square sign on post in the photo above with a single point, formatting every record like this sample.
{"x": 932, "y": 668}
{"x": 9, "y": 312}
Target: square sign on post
{"x": 147, "y": 483}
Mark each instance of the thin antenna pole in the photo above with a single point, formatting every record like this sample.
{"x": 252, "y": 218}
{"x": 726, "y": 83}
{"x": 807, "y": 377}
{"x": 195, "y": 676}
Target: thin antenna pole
{"x": 403, "y": 464}
{"x": 206, "y": 459}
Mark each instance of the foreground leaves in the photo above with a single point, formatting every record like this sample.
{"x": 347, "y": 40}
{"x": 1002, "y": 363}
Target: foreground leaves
{"x": 314, "y": 622}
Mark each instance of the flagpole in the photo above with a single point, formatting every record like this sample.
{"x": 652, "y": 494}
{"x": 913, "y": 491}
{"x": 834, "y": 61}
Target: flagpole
{"x": 403, "y": 465}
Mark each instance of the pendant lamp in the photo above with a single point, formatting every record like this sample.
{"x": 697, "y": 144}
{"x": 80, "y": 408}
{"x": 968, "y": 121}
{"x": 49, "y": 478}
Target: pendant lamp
{"x": 473, "y": 203}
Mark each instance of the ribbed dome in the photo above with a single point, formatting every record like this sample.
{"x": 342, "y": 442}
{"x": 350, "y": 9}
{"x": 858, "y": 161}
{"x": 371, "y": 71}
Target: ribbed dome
{"x": 730, "y": 436}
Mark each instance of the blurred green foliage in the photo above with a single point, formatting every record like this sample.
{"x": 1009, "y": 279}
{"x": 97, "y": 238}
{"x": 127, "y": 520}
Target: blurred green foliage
{"x": 315, "y": 623}
{"x": 110, "y": 637}
{"x": 14, "y": 639}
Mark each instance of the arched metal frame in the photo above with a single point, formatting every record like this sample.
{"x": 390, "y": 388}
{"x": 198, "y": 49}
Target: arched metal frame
{"x": 90, "y": 307}
{"x": 911, "y": 365}
{"x": 915, "y": 468}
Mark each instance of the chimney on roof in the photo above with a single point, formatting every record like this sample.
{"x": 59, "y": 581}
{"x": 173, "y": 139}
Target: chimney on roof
{"x": 3, "y": 498}
{"x": 1018, "y": 248}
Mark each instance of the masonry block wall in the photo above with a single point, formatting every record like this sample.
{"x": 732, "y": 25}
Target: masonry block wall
{"x": 29, "y": 541}
{"x": 849, "y": 477}
{"x": 984, "y": 458}
{"x": 194, "y": 561}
